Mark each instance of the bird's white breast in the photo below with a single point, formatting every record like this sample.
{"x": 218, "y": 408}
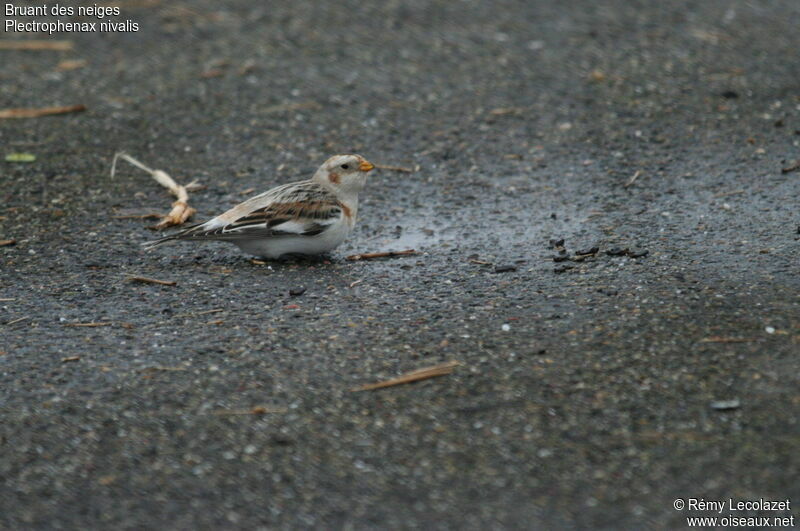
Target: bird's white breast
{"x": 276, "y": 247}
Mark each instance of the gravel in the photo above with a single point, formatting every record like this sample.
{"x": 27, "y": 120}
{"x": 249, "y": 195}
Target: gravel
{"x": 582, "y": 398}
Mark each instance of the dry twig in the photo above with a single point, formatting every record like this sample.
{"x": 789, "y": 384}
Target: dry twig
{"x": 36, "y": 45}
{"x": 157, "y": 368}
{"x": 413, "y": 376}
{"x": 370, "y": 256}
{"x": 181, "y": 211}
{"x": 72, "y": 64}
{"x": 18, "y": 320}
{"x": 195, "y": 314}
{"x": 3, "y": 243}
{"x": 502, "y": 111}
{"x": 42, "y": 111}
{"x": 206, "y": 312}
{"x": 146, "y": 280}
{"x": 722, "y": 339}
{"x": 149, "y": 215}
{"x": 89, "y": 325}
{"x": 258, "y": 410}
{"x": 70, "y": 358}
{"x": 403, "y": 169}
{"x": 633, "y": 179}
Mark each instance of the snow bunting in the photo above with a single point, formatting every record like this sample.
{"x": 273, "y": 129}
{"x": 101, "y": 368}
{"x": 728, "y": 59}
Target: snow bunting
{"x": 306, "y": 217}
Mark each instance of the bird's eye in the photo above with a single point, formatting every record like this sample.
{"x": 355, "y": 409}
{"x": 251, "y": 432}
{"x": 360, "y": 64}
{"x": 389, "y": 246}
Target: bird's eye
{"x": 345, "y": 166}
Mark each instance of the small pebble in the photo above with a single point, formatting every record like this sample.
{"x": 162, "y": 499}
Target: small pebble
{"x": 638, "y": 254}
{"x": 723, "y": 405}
{"x": 769, "y": 330}
{"x": 591, "y": 250}
{"x": 296, "y": 292}
{"x": 560, "y": 257}
{"x": 506, "y": 327}
{"x": 505, "y": 268}
{"x": 557, "y": 243}
{"x": 562, "y": 268}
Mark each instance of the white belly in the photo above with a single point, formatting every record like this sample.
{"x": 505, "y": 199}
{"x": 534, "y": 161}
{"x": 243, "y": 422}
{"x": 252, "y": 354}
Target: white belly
{"x": 276, "y": 247}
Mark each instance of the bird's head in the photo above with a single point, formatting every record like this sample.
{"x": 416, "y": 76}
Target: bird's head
{"x": 345, "y": 173}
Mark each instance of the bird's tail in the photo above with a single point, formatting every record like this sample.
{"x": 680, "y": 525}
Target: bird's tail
{"x": 182, "y": 235}
{"x": 159, "y": 242}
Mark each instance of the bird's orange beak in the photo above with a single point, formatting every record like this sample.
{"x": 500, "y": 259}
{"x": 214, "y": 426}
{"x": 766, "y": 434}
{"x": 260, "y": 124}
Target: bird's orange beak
{"x": 366, "y": 166}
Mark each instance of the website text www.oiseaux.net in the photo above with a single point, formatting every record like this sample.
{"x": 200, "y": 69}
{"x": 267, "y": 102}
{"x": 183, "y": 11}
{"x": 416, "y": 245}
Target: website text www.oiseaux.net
{"x": 731, "y": 506}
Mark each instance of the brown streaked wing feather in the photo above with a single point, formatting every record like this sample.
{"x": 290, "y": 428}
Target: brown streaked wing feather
{"x": 305, "y": 202}
{"x": 278, "y": 213}
{"x": 299, "y": 191}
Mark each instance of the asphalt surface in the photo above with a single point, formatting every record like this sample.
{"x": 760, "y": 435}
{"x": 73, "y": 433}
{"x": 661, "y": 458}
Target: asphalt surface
{"x": 591, "y": 394}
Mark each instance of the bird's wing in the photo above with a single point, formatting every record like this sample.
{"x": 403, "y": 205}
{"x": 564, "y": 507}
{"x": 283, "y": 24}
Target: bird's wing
{"x": 297, "y": 209}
